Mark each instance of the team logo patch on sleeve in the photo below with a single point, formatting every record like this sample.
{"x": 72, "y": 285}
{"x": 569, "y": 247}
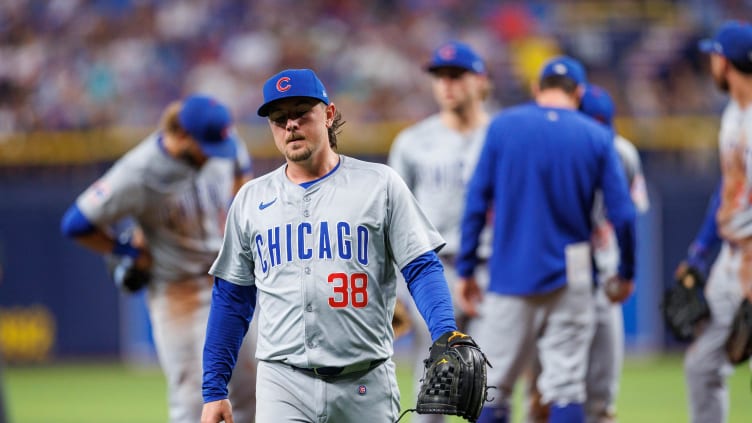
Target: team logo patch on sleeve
{"x": 362, "y": 390}
{"x": 97, "y": 193}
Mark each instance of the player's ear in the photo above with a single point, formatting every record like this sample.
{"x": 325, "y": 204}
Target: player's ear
{"x": 578, "y": 93}
{"x": 535, "y": 88}
{"x": 331, "y": 112}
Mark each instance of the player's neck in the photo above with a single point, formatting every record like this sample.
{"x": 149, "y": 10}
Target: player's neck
{"x": 465, "y": 120}
{"x": 740, "y": 89}
{"x": 556, "y": 98}
{"x": 313, "y": 168}
{"x": 174, "y": 146}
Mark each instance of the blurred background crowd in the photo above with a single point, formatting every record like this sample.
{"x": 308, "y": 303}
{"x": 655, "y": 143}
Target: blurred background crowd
{"x": 82, "y": 81}
{"x": 80, "y": 64}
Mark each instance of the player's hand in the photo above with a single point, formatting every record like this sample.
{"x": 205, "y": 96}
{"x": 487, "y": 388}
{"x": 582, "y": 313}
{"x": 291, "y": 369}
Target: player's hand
{"x": 217, "y": 411}
{"x": 144, "y": 261}
{"x": 138, "y": 240}
{"x": 681, "y": 269}
{"x": 618, "y": 289}
{"x": 468, "y": 295}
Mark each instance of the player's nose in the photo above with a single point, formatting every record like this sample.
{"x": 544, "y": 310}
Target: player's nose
{"x": 292, "y": 124}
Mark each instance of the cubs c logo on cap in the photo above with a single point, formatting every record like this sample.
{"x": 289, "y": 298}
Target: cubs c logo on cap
{"x": 283, "y": 84}
{"x": 447, "y": 52}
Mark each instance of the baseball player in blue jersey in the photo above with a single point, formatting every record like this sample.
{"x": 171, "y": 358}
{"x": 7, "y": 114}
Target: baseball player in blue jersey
{"x": 539, "y": 171}
{"x": 177, "y": 186}
{"x": 315, "y": 244}
{"x": 706, "y": 365}
{"x": 606, "y": 353}
{"x": 436, "y": 156}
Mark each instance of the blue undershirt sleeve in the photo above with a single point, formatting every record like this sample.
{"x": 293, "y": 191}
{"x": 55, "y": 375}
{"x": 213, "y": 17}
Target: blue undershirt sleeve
{"x": 74, "y": 223}
{"x": 428, "y": 287}
{"x": 231, "y": 311}
{"x": 707, "y": 238}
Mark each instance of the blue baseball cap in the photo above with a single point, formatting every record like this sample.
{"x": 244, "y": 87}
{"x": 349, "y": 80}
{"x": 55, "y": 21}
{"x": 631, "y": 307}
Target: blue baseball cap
{"x": 208, "y": 121}
{"x": 565, "y": 66}
{"x": 292, "y": 83}
{"x": 733, "y": 41}
{"x": 597, "y": 103}
{"x": 457, "y": 55}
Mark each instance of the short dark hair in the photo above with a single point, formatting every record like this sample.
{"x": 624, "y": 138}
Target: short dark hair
{"x": 562, "y": 82}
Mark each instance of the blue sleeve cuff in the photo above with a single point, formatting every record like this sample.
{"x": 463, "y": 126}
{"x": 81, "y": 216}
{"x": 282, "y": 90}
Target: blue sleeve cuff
{"x": 625, "y": 234}
{"x": 707, "y": 238}
{"x": 428, "y": 287}
{"x": 230, "y": 315}
{"x": 74, "y": 223}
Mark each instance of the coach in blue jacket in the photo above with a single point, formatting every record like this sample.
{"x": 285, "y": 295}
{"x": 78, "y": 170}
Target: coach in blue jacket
{"x": 537, "y": 175}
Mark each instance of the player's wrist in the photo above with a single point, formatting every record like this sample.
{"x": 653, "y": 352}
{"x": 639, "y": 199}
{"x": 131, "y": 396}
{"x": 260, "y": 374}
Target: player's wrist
{"x": 697, "y": 250}
{"x": 126, "y": 249}
{"x": 696, "y": 256}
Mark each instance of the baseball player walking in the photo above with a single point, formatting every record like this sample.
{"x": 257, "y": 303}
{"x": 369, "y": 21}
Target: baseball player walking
{"x": 606, "y": 353}
{"x": 436, "y": 155}
{"x": 177, "y": 185}
{"x": 539, "y": 170}
{"x": 316, "y": 243}
{"x": 706, "y": 365}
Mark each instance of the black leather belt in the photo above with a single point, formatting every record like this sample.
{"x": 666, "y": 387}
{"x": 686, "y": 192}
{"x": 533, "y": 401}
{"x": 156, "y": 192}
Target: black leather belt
{"x": 337, "y": 371}
{"x": 451, "y": 259}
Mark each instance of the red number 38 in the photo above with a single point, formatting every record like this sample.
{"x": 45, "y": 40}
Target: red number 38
{"x": 348, "y": 290}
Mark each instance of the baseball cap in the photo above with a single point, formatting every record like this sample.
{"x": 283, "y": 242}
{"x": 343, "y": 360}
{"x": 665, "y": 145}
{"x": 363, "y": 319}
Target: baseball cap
{"x": 566, "y": 66}
{"x": 458, "y": 55}
{"x": 733, "y": 41}
{"x": 597, "y": 103}
{"x": 292, "y": 83}
{"x": 208, "y": 121}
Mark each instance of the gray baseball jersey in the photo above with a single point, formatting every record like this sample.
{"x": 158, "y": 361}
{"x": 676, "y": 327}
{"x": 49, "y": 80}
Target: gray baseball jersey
{"x": 735, "y": 213}
{"x": 323, "y": 260}
{"x": 706, "y": 363}
{"x": 181, "y": 210}
{"x": 436, "y": 164}
{"x": 170, "y": 200}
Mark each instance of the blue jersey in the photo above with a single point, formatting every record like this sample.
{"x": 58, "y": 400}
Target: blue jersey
{"x": 537, "y": 175}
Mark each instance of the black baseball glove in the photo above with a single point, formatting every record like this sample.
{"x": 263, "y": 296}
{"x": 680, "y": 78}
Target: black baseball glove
{"x": 739, "y": 342}
{"x": 455, "y": 378}
{"x": 684, "y": 305}
{"x": 125, "y": 274}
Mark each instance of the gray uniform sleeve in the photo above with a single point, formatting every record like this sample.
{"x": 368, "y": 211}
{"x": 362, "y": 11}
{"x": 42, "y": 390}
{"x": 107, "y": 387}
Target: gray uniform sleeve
{"x": 630, "y": 160}
{"x": 398, "y": 160}
{"x": 243, "y": 164}
{"x": 119, "y": 193}
{"x": 410, "y": 233}
{"x": 234, "y": 263}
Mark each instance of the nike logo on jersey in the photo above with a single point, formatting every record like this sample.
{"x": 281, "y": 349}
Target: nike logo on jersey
{"x": 263, "y": 205}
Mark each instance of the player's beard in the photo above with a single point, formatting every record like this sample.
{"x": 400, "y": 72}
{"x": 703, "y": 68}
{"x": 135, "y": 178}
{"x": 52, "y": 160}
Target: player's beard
{"x": 721, "y": 82}
{"x": 192, "y": 159}
{"x": 298, "y": 154}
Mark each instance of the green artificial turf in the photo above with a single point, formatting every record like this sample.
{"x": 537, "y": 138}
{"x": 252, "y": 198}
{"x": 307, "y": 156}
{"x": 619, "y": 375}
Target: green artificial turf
{"x": 652, "y": 391}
